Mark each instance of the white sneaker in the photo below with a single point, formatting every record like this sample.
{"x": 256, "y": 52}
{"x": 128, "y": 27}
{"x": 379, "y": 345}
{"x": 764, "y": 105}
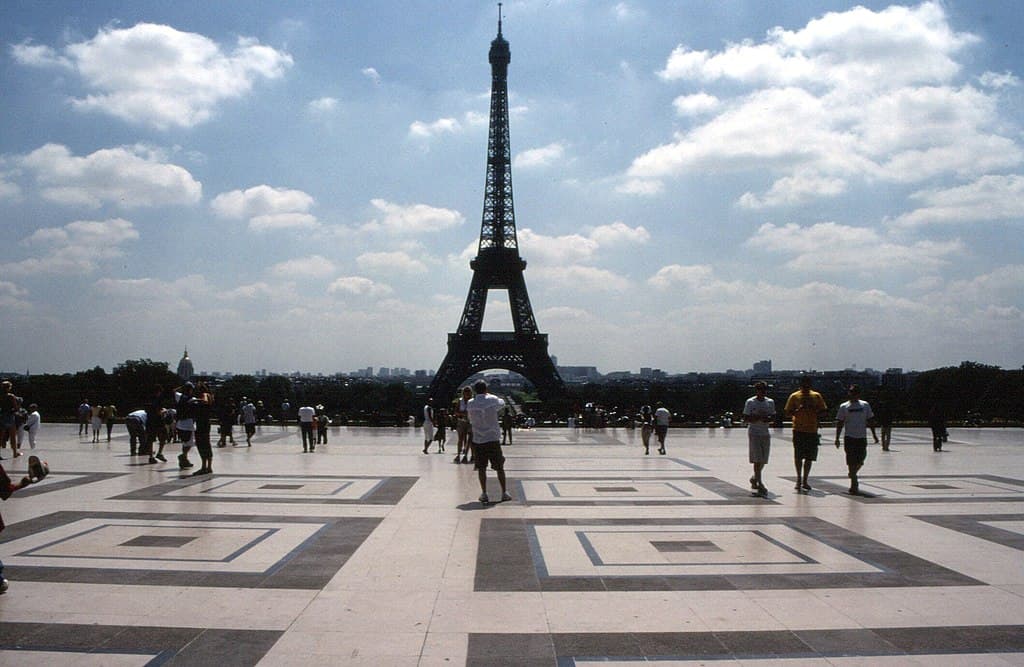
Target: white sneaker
{"x": 505, "y": 496}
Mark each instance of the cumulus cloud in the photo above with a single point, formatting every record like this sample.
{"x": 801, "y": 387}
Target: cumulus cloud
{"x": 539, "y": 157}
{"x": 12, "y": 296}
{"x": 266, "y": 208}
{"x": 696, "y": 104}
{"x": 583, "y": 278}
{"x": 423, "y": 130}
{"x": 675, "y": 275}
{"x": 126, "y": 176}
{"x": 617, "y": 233}
{"x": 359, "y": 286}
{"x": 570, "y": 249}
{"x": 371, "y": 73}
{"x": 989, "y": 198}
{"x": 411, "y": 218}
{"x": 77, "y": 248}
{"x": 314, "y": 266}
{"x": 323, "y": 105}
{"x": 999, "y": 80}
{"x": 830, "y": 247}
{"x": 159, "y": 76}
{"x": 859, "y": 94}
{"x": 8, "y": 190}
{"x": 390, "y": 262}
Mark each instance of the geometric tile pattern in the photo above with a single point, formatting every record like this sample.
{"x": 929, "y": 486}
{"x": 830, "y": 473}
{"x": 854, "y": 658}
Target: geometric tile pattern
{"x": 640, "y": 491}
{"x": 71, "y": 644}
{"x": 627, "y": 648}
{"x": 524, "y": 465}
{"x": 930, "y": 488}
{"x": 692, "y": 554}
{"x": 63, "y": 480}
{"x": 1005, "y": 529}
{"x": 182, "y": 550}
{"x": 320, "y": 489}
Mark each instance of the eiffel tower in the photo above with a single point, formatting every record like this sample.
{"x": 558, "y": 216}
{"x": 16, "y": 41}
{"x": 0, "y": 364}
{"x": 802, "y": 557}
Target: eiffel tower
{"x": 497, "y": 266}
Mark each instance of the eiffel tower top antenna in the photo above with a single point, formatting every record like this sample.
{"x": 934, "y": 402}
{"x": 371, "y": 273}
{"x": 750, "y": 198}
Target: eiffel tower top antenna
{"x": 499, "y": 19}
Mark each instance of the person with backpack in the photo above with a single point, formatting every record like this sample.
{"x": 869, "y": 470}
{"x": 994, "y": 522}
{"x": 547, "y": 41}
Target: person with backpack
{"x": 184, "y": 412}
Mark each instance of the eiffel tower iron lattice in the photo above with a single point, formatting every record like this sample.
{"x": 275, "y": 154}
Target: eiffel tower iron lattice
{"x": 497, "y": 266}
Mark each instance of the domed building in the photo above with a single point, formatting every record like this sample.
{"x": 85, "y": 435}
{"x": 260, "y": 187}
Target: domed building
{"x": 185, "y": 368}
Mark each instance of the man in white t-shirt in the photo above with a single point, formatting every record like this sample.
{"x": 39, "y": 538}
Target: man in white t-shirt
{"x": 248, "y": 411}
{"x": 483, "y": 410}
{"x": 306, "y": 416}
{"x": 758, "y": 412}
{"x": 662, "y": 417}
{"x": 856, "y": 417}
{"x": 184, "y": 422}
{"x": 428, "y": 425}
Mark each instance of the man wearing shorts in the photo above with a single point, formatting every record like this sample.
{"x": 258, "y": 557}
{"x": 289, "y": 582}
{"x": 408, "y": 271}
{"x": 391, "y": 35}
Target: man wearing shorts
{"x": 483, "y": 412}
{"x": 758, "y": 412}
{"x": 856, "y": 416}
{"x": 804, "y": 406}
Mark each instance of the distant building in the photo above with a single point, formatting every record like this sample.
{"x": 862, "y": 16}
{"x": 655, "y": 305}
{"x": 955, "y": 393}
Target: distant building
{"x": 763, "y": 367}
{"x": 185, "y": 368}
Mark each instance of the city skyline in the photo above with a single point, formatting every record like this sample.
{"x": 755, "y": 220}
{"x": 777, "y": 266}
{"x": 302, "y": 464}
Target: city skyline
{"x": 299, "y": 185}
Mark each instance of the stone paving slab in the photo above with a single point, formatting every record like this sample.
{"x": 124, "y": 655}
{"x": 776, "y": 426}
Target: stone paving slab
{"x": 369, "y": 552}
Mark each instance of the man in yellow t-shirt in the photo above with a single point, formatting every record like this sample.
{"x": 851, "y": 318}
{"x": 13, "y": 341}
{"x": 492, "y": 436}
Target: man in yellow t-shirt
{"x": 804, "y": 407}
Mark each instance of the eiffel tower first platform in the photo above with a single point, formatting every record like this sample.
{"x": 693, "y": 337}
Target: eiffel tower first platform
{"x": 497, "y": 266}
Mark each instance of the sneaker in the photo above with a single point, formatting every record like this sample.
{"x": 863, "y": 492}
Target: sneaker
{"x": 161, "y": 457}
{"x": 762, "y": 491}
{"x": 661, "y": 451}
{"x": 183, "y": 462}
{"x": 646, "y": 451}
{"x": 753, "y": 483}
{"x": 152, "y": 459}
{"x": 505, "y": 496}
{"x": 798, "y": 487}
{"x": 202, "y": 471}
{"x": 456, "y": 459}
{"x": 484, "y": 499}
{"x": 465, "y": 460}
{"x": 805, "y": 486}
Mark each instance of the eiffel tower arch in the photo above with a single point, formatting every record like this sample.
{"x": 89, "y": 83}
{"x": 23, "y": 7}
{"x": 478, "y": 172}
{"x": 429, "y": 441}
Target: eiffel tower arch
{"x": 498, "y": 266}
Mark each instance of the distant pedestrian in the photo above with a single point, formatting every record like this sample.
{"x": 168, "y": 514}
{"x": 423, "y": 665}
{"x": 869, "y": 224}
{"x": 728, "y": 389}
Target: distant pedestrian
{"x": 759, "y": 412}
{"x": 202, "y": 411}
{"x": 462, "y": 427}
{"x": 155, "y": 430}
{"x": 248, "y": 411}
{"x": 227, "y": 415}
{"x": 32, "y": 425}
{"x": 110, "y": 417}
{"x": 286, "y": 408}
{"x": 885, "y": 418}
{"x": 804, "y": 406}
{"x": 508, "y": 420}
{"x": 135, "y": 424}
{"x": 84, "y": 415}
{"x": 8, "y": 417}
{"x": 483, "y": 412}
{"x": 96, "y": 421}
{"x": 428, "y": 424}
{"x": 937, "y": 423}
{"x": 856, "y": 417}
{"x": 646, "y": 419}
{"x": 322, "y": 422}
{"x": 662, "y": 418}
{"x": 306, "y": 416}
{"x": 185, "y": 421}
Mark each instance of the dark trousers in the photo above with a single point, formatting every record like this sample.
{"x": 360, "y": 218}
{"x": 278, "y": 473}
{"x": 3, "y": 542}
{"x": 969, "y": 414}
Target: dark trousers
{"x": 307, "y": 435}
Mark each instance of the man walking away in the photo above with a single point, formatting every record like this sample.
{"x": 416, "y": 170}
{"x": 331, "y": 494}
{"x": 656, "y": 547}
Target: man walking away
{"x": 483, "y": 411}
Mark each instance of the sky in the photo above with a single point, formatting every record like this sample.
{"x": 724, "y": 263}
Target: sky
{"x": 298, "y": 186}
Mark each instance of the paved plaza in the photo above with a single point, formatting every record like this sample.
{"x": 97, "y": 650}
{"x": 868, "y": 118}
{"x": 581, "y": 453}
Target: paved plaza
{"x": 370, "y": 552}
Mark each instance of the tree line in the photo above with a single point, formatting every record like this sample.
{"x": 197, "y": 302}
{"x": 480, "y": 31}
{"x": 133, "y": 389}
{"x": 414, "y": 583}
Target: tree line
{"x": 968, "y": 393}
